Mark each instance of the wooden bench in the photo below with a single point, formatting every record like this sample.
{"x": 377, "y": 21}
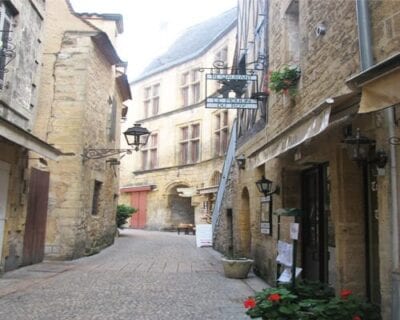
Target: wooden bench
{"x": 186, "y": 228}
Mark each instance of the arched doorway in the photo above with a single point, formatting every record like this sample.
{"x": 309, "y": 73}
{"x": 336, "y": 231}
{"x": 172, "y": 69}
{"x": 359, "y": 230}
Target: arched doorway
{"x": 180, "y": 207}
{"x": 244, "y": 224}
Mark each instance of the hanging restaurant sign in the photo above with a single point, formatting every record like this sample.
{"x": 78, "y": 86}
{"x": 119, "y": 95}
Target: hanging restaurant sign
{"x": 229, "y": 91}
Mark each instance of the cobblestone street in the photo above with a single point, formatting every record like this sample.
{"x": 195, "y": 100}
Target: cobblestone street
{"x": 144, "y": 275}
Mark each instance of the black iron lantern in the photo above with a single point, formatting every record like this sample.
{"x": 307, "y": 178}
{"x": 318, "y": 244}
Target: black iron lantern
{"x": 358, "y": 146}
{"x": 137, "y": 136}
{"x": 265, "y": 186}
{"x": 241, "y": 161}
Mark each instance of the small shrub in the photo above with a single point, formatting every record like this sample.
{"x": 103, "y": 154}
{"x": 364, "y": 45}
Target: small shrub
{"x": 123, "y": 213}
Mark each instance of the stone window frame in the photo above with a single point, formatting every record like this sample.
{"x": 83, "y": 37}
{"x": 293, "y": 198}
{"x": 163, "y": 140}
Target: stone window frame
{"x": 150, "y": 153}
{"x": 222, "y": 55}
{"x": 190, "y": 87}
{"x": 151, "y": 100}
{"x": 6, "y": 17}
{"x": 221, "y": 132}
{"x": 97, "y": 190}
{"x": 190, "y": 143}
{"x": 112, "y": 118}
{"x": 292, "y": 33}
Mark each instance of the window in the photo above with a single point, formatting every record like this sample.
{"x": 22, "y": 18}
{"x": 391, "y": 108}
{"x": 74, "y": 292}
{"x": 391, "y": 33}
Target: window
{"x": 112, "y": 118}
{"x": 190, "y": 144}
{"x": 220, "y": 133}
{"x": 150, "y": 153}
{"x": 293, "y": 34}
{"x": 190, "y": 87}
{"x": 221, "y": 57}
{"x": 151, "y": 102}
{"x": 96, "y": 197}
{"x": 5, "y": 29}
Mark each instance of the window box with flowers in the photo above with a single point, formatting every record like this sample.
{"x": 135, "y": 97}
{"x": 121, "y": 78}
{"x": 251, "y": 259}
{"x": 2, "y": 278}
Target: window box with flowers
{"x": 285, "y": 80}
{"x": 309, "y": 301}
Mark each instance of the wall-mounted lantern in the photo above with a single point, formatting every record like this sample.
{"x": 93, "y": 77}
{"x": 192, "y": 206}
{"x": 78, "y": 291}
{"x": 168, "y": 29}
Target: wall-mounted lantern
{"x": 136, "y": 136}
{"x": 241, "y": 161}
{"x": 358, "y": 148}
{"x": 265, "y": 186}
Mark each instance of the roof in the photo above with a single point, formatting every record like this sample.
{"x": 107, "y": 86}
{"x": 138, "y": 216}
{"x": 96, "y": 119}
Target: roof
{"x": 123, "y": 85}
{"x": 192, "y": 43}
{"x": 103, "y": 42}
{"x": 105, "y": 16}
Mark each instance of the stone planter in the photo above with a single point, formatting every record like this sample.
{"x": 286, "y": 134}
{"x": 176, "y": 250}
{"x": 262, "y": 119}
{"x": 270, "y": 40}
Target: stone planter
{"x": 237, "y": 268}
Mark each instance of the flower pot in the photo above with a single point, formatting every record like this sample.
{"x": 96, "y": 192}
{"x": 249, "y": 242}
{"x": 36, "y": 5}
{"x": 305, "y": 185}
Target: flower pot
{"x": 237, "y": 268}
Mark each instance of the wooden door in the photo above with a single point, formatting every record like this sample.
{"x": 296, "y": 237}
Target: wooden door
{"x": 315, "y": 223}
{"x": 35, "y": 227}
{"x": 139, "y": 201}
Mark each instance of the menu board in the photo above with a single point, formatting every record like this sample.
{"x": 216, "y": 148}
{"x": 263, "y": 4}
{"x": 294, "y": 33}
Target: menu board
{"x": 203, "y": 235}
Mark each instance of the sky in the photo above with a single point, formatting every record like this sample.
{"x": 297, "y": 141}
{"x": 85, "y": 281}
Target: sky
{"x": 150, "y": 26}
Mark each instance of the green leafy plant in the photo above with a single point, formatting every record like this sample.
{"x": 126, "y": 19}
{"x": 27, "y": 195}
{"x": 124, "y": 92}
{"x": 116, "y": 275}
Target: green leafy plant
{"x": 123, "y": 213}
{"x": 285, "y": 79}
{"x": 309, "y": 301}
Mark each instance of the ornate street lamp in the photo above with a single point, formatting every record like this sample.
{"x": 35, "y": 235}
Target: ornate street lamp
{"x": 135, "y": 136}
{"x": 265, "y": 186}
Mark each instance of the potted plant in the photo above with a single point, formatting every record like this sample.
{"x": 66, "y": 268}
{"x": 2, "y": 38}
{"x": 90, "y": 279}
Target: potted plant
{"x": 236, "y": 267}
{"x": 309, "y": 301}
{"x": 285, "y": 80}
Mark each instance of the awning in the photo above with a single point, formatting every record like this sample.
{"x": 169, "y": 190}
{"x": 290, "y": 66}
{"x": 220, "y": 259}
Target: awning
{"x": 137, "y": 188}
{"x": 208, "y": 190}
{"x": 27, "y": 140}
{"x": 293, "y": 138}
{"x": 312, "y": 124}
{"x": 379, "y": 85}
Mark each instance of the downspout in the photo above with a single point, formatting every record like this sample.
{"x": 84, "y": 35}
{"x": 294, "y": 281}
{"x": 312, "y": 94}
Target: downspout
{"x": 366, "y": 58}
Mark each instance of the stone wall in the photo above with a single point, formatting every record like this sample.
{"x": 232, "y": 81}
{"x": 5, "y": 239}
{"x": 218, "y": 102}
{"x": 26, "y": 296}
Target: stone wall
{"x": 76, "y": 98}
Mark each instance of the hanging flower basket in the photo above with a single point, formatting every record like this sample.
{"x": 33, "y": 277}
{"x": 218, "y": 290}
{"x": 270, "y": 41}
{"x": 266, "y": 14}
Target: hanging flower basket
{"x": 285, "y": 80}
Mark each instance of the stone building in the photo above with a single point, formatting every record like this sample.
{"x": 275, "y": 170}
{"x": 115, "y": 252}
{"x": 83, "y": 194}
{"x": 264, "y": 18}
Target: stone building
{"x": 82, "y": 90}
{"x": 21, "y": 26}
{"x": 346, "y": 99}
{"x": 174, "y": 177}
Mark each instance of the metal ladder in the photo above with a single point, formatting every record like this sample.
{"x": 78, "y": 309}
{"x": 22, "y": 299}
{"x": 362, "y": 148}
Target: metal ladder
{"x": 230, "y": 155}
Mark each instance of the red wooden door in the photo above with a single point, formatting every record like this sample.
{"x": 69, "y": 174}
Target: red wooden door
{"x": 36, "y": 217}
{"x": 139, "y": 201}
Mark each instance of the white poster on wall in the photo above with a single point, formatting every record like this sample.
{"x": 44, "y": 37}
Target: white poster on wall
{"x": 203, "y": 235}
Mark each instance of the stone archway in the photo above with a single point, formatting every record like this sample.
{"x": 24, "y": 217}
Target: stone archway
{"x": 181, "y": 210}
{"x": 244, "y": 224}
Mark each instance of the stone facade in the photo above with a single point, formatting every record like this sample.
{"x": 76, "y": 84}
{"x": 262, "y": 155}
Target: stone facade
{"x": 356, "y": 251}
{"x": 178, "y": 191}
{"x": 19, "y": 80}
{"x": 80, "y": 105}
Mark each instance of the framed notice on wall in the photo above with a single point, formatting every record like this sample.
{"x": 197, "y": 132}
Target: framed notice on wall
{"x": 266, "y": 215}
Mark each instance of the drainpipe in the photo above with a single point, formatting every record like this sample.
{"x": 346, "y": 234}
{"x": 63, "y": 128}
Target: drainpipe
{"x": 366, "y": 58}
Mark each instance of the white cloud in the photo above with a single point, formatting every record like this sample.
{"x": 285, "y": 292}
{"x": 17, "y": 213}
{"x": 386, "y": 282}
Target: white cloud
{"x": 151, "y": 25}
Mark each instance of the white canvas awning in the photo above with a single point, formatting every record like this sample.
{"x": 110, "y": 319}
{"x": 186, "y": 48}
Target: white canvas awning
{"x": 293, "y": 138}
{"x": 379, "y": 84}
{"x": 327, "y": 113}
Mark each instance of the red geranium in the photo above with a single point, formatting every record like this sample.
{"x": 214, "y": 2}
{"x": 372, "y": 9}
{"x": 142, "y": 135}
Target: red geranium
{"x": 356, "y": 317}
{"x": 249, "y": 303}
{"x": 344, "y": 294}
{"x": 275, "y": 297}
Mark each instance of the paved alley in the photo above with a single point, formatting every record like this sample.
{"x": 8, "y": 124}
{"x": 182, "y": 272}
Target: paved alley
{"x": 144, "y": 275}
